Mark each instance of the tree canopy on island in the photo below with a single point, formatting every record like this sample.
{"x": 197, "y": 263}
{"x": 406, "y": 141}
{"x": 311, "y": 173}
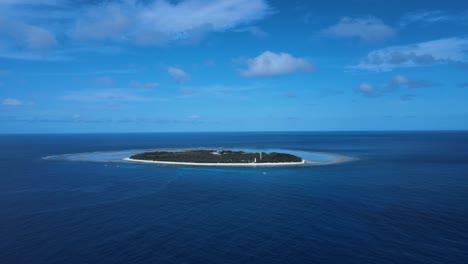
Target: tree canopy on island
{"x": 213, "y": 156}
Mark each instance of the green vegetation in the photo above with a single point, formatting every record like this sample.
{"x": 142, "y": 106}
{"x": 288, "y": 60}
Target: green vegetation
{"x": 213, "y": 156}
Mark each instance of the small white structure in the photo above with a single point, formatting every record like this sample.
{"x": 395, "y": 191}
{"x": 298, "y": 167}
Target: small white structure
{"x": 216, "y": 152}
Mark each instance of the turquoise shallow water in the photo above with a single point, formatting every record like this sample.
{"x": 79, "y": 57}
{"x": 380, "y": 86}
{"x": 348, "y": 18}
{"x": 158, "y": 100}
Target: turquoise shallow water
{"x": 401, "y": 200}
{"x": 320, "y": 158}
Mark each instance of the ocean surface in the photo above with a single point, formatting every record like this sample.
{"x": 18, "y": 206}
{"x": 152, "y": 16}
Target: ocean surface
{"x": 402, "y": 199}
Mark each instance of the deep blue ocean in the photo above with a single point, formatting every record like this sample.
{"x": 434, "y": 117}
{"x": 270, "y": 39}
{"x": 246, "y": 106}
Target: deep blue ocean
{"x": 403, "y": 200}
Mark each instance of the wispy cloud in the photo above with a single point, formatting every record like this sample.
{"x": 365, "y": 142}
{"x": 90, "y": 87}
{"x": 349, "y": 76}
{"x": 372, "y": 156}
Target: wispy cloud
{"x": 36, "y": 30}
{"x": 194, "y": 117}
{"x": 407, "y": 98}
{"x": 144, "y": 85}
{"x": 189, "y": 92}
{"x": 107, "y": 95}
{"x": 327, "y": 92}
{"x": 12, "y": 102}
{"x": 449, "y": 50}
{"x": 29, "y": 55}
{"x": 83, "y": 73}
{"x": 403, "y": 81}
{"x": 395, "y": 83}
{"x": 30, "y": 37}
{"x": 368, "y": 29}
{"x": 254, "y": 31}
{"x": 178, "y": 74}
{"x": 103, "y": 81}
{"x": 270, "y": 64}
{"x": 427, "y": 17}
{"x": 159, "y": 21}
{"x": 30, "y": 2}
{"x": 219, "y": 90}
{"x": 191, "y": 120}
{"x": 24, "y": 41}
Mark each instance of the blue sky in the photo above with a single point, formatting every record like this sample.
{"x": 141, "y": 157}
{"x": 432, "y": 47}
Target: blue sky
{"x": 232, "y": 65}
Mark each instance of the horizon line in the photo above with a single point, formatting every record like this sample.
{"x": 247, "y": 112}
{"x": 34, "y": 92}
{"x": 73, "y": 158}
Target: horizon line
{"x": 244, "y": 131}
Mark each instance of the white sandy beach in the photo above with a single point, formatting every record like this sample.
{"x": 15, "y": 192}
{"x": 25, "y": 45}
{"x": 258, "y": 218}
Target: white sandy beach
{"x": 220, "y": 164}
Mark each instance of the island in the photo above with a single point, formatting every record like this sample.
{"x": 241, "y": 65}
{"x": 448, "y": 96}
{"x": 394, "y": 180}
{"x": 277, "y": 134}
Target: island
{"x": 217, "y": 158}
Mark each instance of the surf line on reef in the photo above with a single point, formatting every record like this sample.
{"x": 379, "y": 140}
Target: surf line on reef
{"x": 251, "y": 164}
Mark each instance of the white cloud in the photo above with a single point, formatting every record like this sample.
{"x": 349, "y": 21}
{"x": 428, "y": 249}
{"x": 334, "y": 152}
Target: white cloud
{"x": 177, "y": 74}
{"x": 449, "y": 50}
{"x": 12, "y": 102}
{"x": 367, "y": 89}
{"x": 269, "y": 64}
{"x": 160, "y": 21}
{"x": 367, "y": 29}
